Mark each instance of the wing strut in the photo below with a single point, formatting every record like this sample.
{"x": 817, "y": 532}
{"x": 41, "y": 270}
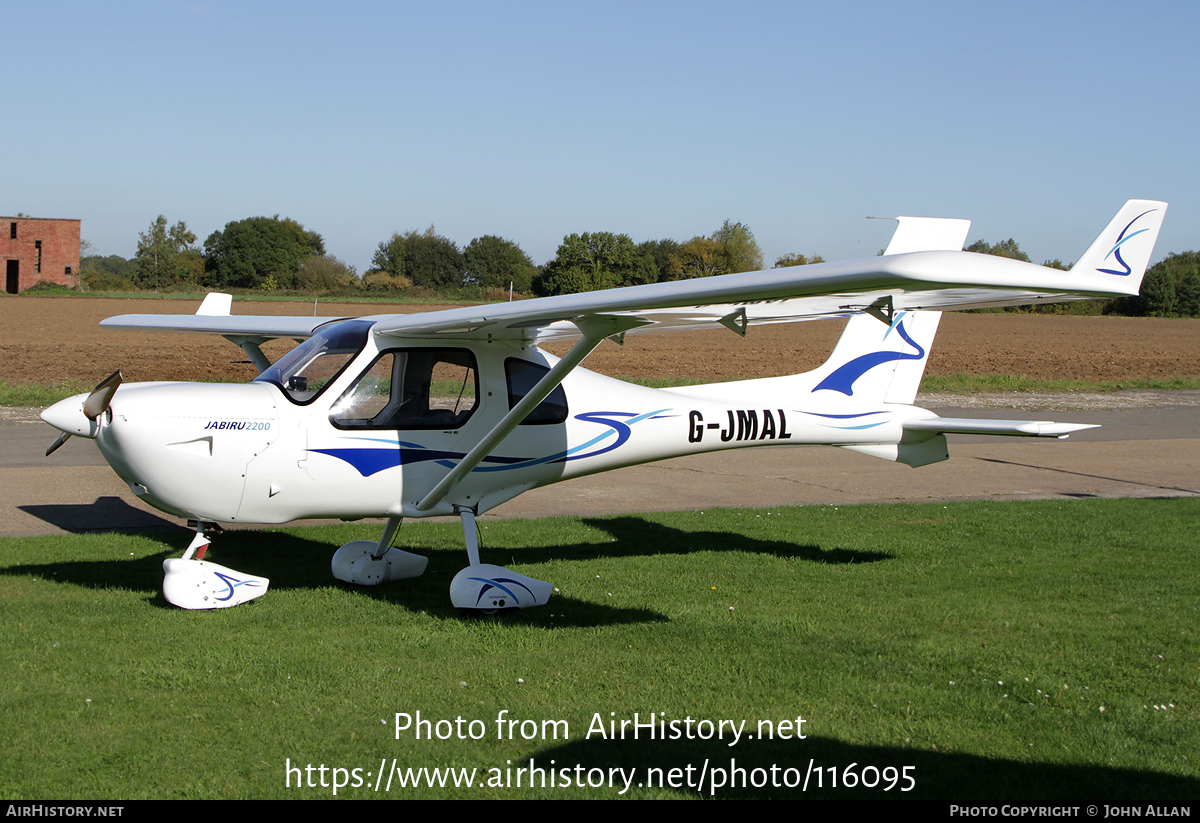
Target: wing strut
{"x": 250, "y": 345}
{"x": 595, "y": 327}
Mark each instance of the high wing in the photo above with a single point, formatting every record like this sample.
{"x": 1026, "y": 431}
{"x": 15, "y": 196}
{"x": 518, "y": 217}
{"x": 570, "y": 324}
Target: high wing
{"x": 901, "y": 279}
{"x": 910, "y": 280}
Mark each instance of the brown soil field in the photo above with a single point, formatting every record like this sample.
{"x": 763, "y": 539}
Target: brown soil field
{"x": 49, "y": 340}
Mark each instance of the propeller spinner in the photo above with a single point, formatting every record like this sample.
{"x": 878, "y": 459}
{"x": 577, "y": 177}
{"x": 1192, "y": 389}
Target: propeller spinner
{"x": 64, "y": 415}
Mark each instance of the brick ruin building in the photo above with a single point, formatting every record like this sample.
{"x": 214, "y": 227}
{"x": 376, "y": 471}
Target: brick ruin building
{"x": 39, "y": 250}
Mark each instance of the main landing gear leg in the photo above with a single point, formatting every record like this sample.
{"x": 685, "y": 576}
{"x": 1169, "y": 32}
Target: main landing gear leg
{"x": 366, "y": 563}
{"x": 489, "y": 588}
{"x": 199, "y": 584}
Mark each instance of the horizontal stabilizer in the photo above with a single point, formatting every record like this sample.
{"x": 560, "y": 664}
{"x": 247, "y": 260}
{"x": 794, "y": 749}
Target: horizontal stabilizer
{"x": 258, "y": 326}
{"x": 216, "y": 304}
{"x": 1012, "y": 428}
{"x": 928, "y": 234}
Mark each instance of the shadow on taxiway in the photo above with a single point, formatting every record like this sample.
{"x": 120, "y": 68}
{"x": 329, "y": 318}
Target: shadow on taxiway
{"x": 1090, "y": 476}
{"x": 107, "y": 514}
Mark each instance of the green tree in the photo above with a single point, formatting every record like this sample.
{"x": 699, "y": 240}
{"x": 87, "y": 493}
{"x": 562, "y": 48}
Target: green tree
{"x": 698, "y": 257}
{"x": 658, "y": 253}
{"x": 1157, "y": 297}
{"x": 157, "y": 263}
{"x": 112, "y": 273}
{"x": 1170, "y": 288}
{"x": 259, "y": 252}
{"x": 493, "y": 262}
{"x": 795, "y": 259}
{"x": 426, "y": 259}
{"x": 1187, "y": 293}
{"x": 739, "y": 248}
{"x": 433, "y": 261}
{"x": 389, "y": 257}
{"x": 1005, "y": 248}
{"x": 731, "y": 248}
{"x": 591, "y": 261}
{"x": 324, "y": 272}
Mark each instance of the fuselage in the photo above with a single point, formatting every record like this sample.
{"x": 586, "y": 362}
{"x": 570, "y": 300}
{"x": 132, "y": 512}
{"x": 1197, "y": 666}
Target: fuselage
{"x": 364, "y": 425}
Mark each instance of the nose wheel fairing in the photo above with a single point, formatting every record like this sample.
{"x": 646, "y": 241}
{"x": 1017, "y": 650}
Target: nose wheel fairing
{"x": 199, "y": 584}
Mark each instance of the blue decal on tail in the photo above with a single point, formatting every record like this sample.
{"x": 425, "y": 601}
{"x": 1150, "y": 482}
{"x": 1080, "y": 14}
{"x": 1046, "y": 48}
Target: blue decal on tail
{"x": 842, "y": 379}
{"x": 1115, "y": 251}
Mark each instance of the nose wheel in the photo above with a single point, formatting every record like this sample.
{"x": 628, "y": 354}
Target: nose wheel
{"x": 190, "y": 582}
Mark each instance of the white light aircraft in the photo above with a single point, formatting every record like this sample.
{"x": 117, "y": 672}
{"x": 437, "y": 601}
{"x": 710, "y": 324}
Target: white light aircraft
{"x": 455, "y": 412}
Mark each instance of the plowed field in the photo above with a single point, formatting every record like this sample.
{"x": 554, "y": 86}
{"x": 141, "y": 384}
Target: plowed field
{"x": 49, "y": 340}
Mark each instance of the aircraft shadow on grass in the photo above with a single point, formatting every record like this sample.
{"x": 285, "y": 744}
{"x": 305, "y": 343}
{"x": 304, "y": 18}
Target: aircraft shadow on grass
{"x": 295, "y": 562}
{"x": 936, "y": 775}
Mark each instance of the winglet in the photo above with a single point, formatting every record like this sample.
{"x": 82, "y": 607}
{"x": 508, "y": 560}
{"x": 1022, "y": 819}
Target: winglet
{"x": 1122, "y": 251}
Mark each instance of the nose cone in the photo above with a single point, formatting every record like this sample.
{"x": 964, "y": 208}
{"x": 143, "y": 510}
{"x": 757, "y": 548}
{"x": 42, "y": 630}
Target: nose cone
{"x": 67, "y": 416}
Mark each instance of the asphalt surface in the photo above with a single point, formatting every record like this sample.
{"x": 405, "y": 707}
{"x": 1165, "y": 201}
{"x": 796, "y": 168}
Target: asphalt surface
{"x": 1148, "y": 446}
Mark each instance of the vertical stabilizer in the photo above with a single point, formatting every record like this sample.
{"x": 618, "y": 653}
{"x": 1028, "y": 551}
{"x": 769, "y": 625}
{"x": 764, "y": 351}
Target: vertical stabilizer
{"x": 1121, "y": 253}
{"x": 878, "y": 363}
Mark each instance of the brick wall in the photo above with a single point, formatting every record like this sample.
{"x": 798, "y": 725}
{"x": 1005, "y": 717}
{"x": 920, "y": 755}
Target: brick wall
{"x": 56, "y": 261}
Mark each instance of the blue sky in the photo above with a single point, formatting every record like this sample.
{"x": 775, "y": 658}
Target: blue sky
{"x": 656, "y": 119}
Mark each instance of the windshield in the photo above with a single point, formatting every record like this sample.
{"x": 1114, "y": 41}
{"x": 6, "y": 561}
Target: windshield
{"x": 305, "y": 371}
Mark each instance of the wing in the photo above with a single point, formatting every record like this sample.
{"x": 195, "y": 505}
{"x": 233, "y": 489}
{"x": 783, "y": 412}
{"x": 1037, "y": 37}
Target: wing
{"x": 910, "y": 280}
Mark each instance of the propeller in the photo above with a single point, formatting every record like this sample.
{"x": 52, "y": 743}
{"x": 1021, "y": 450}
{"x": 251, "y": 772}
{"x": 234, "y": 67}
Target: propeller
{"x": 97, "y": 402}
{"x": 95, "y": 405}
{"x": 58, "y": 441}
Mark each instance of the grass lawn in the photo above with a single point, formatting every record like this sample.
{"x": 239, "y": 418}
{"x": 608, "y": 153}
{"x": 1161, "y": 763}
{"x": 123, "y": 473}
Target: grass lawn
{"x": 963, "y": 651}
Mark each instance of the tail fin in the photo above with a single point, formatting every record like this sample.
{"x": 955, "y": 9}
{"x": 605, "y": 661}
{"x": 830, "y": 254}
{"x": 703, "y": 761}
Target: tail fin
{"x": 875, "y": 362}
{"x": 1120, "y": 254}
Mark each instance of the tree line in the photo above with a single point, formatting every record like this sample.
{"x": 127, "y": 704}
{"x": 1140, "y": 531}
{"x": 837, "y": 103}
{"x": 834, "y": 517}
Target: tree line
{"x": 278, "y": 253}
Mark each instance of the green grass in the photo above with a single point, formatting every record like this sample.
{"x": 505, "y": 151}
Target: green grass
{"x": 1007, "y": 652}
{"x": 35, "y": 395}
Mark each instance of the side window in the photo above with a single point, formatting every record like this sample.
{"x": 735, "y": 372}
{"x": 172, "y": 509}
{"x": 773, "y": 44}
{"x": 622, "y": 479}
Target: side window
{"x": 522, "y": 376}
{"x": 411, "y": 389}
